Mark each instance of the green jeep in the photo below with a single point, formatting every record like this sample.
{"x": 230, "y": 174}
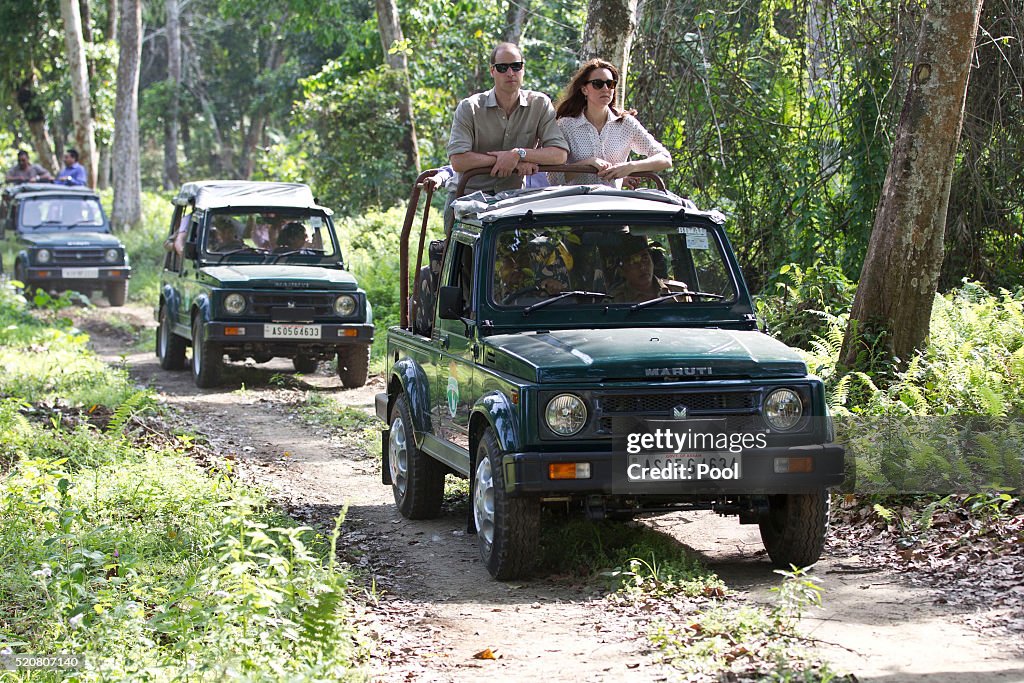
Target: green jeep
{"x": 260, "y": 275}
{"x": 597, "y": 349}
{"x": 62, "y": 240}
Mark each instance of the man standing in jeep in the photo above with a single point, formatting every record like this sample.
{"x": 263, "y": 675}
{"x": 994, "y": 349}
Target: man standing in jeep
{"x": 506, "y": 127}
{"x": 26, "y": 172}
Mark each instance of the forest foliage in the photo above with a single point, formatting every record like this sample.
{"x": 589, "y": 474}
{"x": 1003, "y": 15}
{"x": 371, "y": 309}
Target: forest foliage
{"x": 780, "y": 113}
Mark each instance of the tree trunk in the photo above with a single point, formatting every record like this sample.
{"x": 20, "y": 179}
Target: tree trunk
{"x": 172, "y": 177}
{"x": 111, "y": 31}
{"x": 254, "y": 132}
{"x": 516, "y": 15}
{"x": 127, "y": 210}
{"x": 608, "y": 34}
{"x": 391, "y": 33}
{"x": 81, "y": 109}
{"x": 35, "y": 115}
{"x": 893, "y": 306}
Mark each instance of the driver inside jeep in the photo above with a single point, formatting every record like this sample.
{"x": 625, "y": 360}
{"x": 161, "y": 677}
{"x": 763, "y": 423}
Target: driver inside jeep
{"x": 637, "y": 280}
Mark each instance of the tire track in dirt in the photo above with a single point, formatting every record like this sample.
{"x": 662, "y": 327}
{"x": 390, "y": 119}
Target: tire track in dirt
{"x": 436, "y": 605}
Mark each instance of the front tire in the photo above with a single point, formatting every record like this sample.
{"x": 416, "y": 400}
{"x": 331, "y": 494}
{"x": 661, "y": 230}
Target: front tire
{"x": 170, "y": 348}
{"x": 793, "y": 530}
{"x": 353, "y": 366}
{"x": 207, "y": 358}
{"x": 417, "y": 480}
{"x": 117, "y": 292}
{"x": 507, "y": 528}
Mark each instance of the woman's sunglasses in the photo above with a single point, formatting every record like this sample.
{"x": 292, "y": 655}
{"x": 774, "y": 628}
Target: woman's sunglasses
{"x": 600, "y": 84}
{"x": 502, "y": 68}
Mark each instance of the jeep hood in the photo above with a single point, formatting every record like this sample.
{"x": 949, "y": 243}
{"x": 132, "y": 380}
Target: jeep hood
{"x": 641, "y": 354}
{"x": 278, "y": 276}
{"x": 69, "y": 238}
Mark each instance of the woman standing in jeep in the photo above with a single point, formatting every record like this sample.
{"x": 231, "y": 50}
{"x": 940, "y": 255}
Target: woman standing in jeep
{"x": 599, "y": 134}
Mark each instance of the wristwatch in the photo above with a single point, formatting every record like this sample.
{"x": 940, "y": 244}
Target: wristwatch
{"x": 520, "y": 151}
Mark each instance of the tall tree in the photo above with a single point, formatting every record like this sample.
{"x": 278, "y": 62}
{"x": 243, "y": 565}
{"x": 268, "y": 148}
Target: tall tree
{"x": 516, "y": 15}
{"x": 172, "y": 29}
{"x": 110, "y": 35}
{"x": 81, "y": 107}
{"x": 901, "y": 271}
{"x": 275, "y": 57}
{"x": 608, "y": 34}
{"x": 392, "y": 41}
{"x": 35, "y": 115}
{"x": 127, "y": 210}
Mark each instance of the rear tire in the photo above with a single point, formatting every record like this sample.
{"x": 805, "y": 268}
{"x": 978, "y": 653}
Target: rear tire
{"x": 170, "y": 348}
{"x": 207, "y": 358}
{"x": 117, "y": 292}
{"x": 305, "y": 364}
{"x": 417, "y": 480}
{"x": 353, "y": 366}
{"x": 793, "y": 530}
{"x": 507, "y": 528}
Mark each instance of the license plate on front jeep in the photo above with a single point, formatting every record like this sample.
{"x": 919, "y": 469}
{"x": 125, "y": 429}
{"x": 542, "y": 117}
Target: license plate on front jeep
{"x": 682, "y": 468}
{"x": 80, "y": 273}
{"x": 291, "y": 331}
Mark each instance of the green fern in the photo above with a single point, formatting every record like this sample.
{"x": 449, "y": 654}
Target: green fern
{"x": 139, "y": 402}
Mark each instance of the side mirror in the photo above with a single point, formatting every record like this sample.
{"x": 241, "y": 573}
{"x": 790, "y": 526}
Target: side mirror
{"x": 190, "y": 251}
{"x": 449, "y": 303}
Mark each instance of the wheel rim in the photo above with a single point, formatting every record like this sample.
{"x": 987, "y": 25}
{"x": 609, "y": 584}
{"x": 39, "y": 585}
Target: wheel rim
{"x": 162, "y": 338}
{"x": 398, "y": 457}
{"x": 483, "y": 501}
{"x": 197, "y": 354}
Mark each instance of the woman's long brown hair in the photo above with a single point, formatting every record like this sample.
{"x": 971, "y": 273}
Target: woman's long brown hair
{"x": 573, "y": 102}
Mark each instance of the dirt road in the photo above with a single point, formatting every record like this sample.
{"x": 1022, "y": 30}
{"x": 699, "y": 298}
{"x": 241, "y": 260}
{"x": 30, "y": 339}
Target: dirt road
{"x": 437, "y": 605}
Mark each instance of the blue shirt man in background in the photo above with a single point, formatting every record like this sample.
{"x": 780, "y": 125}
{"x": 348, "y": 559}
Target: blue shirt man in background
{"x": 73, "y": 172}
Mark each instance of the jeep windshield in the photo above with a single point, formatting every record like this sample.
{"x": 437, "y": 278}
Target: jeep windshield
{"x": 630, "y": 266}
{"x": 286, "y": 236}
{"x": 61, "y": 213}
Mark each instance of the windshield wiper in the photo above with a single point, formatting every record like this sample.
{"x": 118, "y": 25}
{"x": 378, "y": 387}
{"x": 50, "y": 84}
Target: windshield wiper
{"x": 85, "y": 221}
{"x": 673, "y": 295}
{"x": 563, "y": 295}
{"x": 240, "y": 250}
{"x": 301, "y": 252}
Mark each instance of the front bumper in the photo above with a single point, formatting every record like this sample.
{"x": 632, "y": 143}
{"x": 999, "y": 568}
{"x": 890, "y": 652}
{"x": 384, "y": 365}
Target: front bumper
{"x": 250, "y": 332}
{"x": 76, "y": 274}
{"x": 526, "y": 474}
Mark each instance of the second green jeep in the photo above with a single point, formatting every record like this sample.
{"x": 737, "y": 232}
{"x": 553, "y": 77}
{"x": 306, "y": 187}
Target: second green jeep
{"x": 259, "y": 275}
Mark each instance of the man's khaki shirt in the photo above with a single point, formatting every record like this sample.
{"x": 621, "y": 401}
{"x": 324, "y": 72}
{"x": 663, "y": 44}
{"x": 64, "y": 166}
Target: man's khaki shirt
{"x": 34, "y": 171}
{"x": 480, "y": 125}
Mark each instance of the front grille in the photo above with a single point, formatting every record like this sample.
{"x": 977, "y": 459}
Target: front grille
{"x": 319, "y": 304}
{"x": 741, "y": 407}
{"x": 79, "y": 257}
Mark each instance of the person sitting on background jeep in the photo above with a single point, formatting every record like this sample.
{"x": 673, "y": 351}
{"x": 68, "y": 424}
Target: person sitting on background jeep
{"x": 25, "y": 172}
{"x": 73, "y": 172}
{"x": 636, "y": 269}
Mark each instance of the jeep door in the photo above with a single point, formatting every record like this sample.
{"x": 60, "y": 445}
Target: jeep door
{"x": 453, "y": 394}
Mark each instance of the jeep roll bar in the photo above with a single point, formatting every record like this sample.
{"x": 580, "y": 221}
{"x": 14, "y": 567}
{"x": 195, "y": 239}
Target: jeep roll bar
{"x": 410, "y": 215}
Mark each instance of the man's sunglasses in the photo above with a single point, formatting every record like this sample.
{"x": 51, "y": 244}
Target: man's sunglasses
{"x": 502, "y": 68}
{"x": 600, "y": 84}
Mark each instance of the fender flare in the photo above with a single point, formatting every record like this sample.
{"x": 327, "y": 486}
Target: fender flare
{"x": 494, "y": 409}
{"x": 410, "y": 376}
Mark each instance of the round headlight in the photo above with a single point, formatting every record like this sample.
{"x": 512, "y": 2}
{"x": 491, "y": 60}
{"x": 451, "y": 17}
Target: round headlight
{"x": 111, "y": 255}
{"x": 566, "y": 414}
{"x": 234, "y": 303}
{"x": 344, "y": 305}
{"x": 43, "y": 256}
{"x": 783, "y": 409}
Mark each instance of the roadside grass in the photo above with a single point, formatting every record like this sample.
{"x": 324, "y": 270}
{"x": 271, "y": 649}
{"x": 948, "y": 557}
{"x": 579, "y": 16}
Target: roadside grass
{"x": 689, "y": 615}
{"x": 363, "y": 428}
{"x": 119, "y": 548}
